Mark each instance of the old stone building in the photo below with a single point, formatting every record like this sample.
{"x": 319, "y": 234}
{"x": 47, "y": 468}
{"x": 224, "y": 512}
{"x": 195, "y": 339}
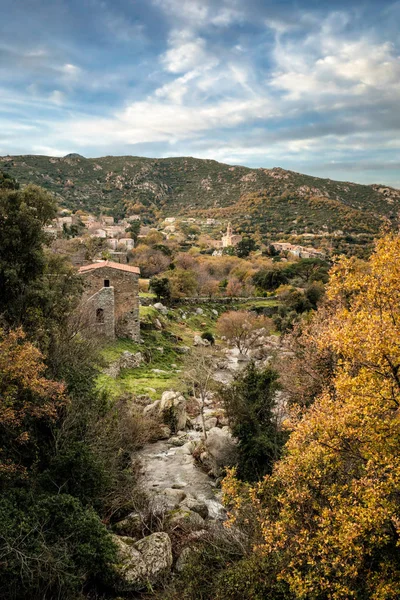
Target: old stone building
{"x": 111, "y": 299}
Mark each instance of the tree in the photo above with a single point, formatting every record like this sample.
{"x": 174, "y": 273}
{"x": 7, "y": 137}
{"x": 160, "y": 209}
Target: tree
{"x": 240, "y": 327}
{"x": 161, "y": 287}
{"x": 331, "y": 508}
{"x": 250, "y": 404}
{"x": 309, "y": 270}
{"x": 199, "y": 372}
{"x": 134, "y": 229}
{"x": 270, "y": 279}
{"x": 29, "y": 404}
{"x": 23, "y": 213}
{"x": 183, "y": 283}
{"x": 245, "y": 246}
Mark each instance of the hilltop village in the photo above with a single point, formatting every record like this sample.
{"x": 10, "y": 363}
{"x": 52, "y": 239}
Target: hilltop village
{"x": 114, "y": 239}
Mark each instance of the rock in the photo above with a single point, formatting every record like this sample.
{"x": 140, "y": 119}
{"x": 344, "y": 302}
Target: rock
{"x": 161, "y": 308}
{"x": 221, "y": 449}
{"x": 174, "y": 496}
{"x": 143, "y": 562}
{"x": 160, "y": 349}
{"x": 215, "y": 312}
{"x": 160, "y": 371}
{"x": 165, "y": 432}
{"x": 210, "y": 423}
{"x": 199, "y": 341}
{"x": 173, "y": 410}
{"x": 195, "y": 506}
{"x": 127, "y": 360}
{"x": 242, "y": 358}
{"x": 176, "y": 441}
{"x": 131, "y": 526}
{"x": 188, "y": 448}
{"x": 157, "y": 324}
{"x": 182, "y": 349}
{"x": 183, "y": 518}
{"x": 199, "y": 311}
{"x": 184, "y": 558}
{"x": 152, "y": 410}
{"x": 113, "y": 369}
{"x": 130, "y": 361}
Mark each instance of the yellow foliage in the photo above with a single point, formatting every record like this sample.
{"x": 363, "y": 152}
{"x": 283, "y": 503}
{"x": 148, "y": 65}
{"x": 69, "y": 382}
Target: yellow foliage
{"x": 331, "y": 508}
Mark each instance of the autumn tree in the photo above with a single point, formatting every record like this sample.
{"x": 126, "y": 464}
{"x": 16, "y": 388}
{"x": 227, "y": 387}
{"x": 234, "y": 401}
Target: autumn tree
{"x": 331, "y": 508}
{"x": 29, "y": 403}
{"x": 240, "y": 327}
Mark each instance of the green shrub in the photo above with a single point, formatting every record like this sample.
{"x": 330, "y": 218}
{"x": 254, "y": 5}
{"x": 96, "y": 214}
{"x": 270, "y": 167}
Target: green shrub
{"x": 207, "y": 335}
{"x": 50, "y": 546}
{"x": 249, "y": 403}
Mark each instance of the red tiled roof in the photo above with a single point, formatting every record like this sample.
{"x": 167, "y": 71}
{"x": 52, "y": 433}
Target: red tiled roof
{"x": 111, "y": 264}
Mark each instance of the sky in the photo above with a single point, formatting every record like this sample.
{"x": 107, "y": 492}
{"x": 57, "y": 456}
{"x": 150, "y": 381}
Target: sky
{"x": 306, "y": 85}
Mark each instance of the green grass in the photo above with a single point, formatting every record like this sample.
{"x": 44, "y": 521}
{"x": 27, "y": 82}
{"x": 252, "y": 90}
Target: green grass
{"x": 176, "y": 331}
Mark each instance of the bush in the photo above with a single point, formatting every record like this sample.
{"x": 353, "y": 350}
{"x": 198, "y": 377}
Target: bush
{"x": 250, "y": 403}
{"x": 50, "y": 545}
{"x": 207, "y": 335}
{"x": 252, "y": 578}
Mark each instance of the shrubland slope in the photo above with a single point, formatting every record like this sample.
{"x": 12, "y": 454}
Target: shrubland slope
{"x": 264, "y": 200}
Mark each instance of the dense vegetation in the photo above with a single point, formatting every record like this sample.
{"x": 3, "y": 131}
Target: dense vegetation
{"x": 313, "y": 500}
{"x": 64, "y": 450}
{"x": 268, "y": 201}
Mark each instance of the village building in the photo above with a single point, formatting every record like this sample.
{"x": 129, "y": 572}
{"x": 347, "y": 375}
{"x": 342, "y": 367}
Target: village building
{"x": 228, "y": 239}
{"x": 298, "y": 251}
{"x": 127, "y": 243}
{"x": 110, "y": 302}
{"x": 107, "y": 220}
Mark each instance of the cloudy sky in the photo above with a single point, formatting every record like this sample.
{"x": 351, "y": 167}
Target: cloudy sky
{"x": 307, "y": 85}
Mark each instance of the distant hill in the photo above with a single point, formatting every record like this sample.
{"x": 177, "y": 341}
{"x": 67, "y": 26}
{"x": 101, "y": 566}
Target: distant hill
{"x": 268, "y": 201}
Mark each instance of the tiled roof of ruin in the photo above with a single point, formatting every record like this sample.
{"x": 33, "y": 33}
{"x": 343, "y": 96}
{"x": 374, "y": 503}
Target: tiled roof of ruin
{"x": 111, "y": 265}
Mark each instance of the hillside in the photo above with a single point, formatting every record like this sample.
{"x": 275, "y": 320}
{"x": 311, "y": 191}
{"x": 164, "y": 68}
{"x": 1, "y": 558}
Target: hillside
{"x": 270, "y": 201}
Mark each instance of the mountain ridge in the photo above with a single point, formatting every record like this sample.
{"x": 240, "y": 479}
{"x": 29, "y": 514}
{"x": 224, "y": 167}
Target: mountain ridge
{"x": 274, "y": 201}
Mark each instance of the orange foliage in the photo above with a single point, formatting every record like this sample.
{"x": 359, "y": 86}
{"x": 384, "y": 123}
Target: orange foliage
{"x": 26, "y": 395}
{"x": 331, "y": 508}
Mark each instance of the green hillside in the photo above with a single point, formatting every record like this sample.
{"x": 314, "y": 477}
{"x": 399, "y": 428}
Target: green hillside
{"x": 265, "y": 200}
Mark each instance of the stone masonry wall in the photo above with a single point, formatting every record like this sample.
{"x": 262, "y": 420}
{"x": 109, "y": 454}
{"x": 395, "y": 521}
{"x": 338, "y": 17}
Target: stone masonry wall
{"x": 126, "y": 298}
{"x": 102, "y": 300}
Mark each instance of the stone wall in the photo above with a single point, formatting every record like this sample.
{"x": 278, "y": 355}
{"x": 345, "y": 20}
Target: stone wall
{"x": 101, "y": 323}
{"x": 126, "y": 297}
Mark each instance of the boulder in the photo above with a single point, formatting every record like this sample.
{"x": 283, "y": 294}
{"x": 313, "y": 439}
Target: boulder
{"x": 195, "y": 506}
{"x": 142, "y": 563}
{"x": 184, "y": 518}
{"x": 172, "y": 409}
{"x": 174, "y": 496}
{"x": 182, "y": 349}
{"x": 199, "y": 341}
{"x": 221, "y": 449}
{"x": 132, "y": 526}
{"x": 164, "y": 432}
{"x": 184, "y": 559}
{"x": 199, "y": 311}
{"x": 152, "y": 410}
{"x": 130, "y": 361}
{"x": 161, "y": 308}
{"x": 210, "y": 423}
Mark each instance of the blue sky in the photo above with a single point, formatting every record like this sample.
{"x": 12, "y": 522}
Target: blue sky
{"x": 307, "y": 85}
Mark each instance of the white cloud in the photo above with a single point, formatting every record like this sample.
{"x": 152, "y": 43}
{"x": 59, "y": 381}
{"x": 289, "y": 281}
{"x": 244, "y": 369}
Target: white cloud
{"x": 57, "y": 97}
{"x": 70, "y": 70}
{"x": 186, "y": 52}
